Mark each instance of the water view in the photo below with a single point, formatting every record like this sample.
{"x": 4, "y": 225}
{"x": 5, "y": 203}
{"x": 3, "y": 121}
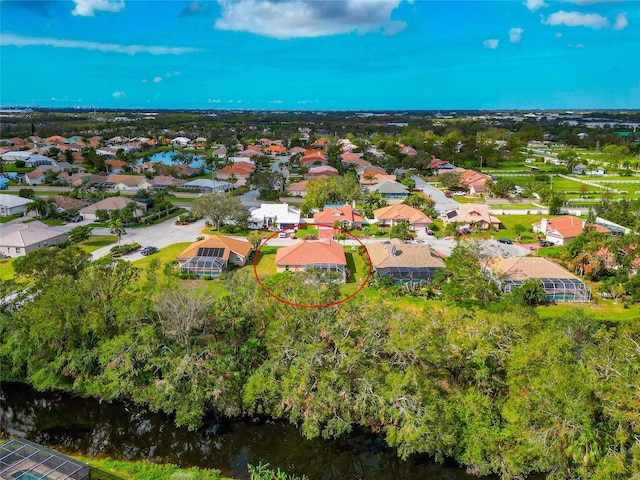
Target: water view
{"x": 125, "y": 431}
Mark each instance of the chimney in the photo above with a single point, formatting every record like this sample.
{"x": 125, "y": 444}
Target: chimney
{"x": 544, "y": 224}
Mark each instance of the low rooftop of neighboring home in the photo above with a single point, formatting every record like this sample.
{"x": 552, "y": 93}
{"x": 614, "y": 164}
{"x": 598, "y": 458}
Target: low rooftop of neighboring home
{"x": 396, "y": 253}
{"x": 401, "y": 212}
{"x": 66, "y": 203}
{"x": 237, "y": 168}
{"x": 13, "y": 201}
{"x": 25, "y": 234}
{"x": 109, "y": 204}
{"x": 128, "y": 180}
{"x": 523, "y": 268}
{"x": 224, "y": 244}
{"x": 472, "y": 213}
{"x": 389, "y": 188}
{"x": 331, "y": 214}
{"x": 566, "y": 226}
{"x": 309, "y": 252}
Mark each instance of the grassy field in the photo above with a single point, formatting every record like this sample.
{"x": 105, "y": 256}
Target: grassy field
{"x": 6, "y": 269}
{"x": 308, "y": 230}
{"x": 266, "y": 262}
{"x": 603, "y": 310}
{"x": 95, "y": 242}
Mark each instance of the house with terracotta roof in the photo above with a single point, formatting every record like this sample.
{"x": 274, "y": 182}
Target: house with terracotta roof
{"x": 185, "y": 170}
{"x": 476, "y": 182}
{"x": 35, "y": 177}
{"x": 323, "y": 171}
{"x": 392, "y": 215}
{"x": 562, "y": 230}
{"x": 298, "y": 189}
{"x": 559, "y": 284}
{"x": 376, "y": 178}
{"x": 241, "y": 171}
{"x": 471, "y": 216}
{"x": 18, "y": 239}
{"x": 325, "y": 255}
{"x": 313, "y": 159}
{"x": 345, "y": 215}
{"x": 111, "y": 204}
{"x": 296, "y": 150}
{"x": 275, "y": 150}
{"x": 404, "y": 262}
{"x": 115, "y": 166}
{"x": 211, "y": 256}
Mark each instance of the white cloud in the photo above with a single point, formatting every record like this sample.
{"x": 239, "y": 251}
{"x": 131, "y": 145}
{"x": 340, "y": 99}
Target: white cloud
{"x": 534, "y": 5}
{"x": 87, "y": 8}
{"x": 275, "y": 101}
{"x": 577, "y": 45}
{"x": 156, "y": 79}
{"x": 515, "y": 35}
{"x": 119, "y": 94}
{"x": 491, "y": 43}
{"x": 144, "y": 80}
{"x": 621, "y": 22}
{"x": 286, "y": 19}
{"x": 558, "y": 35}
{"x": 214, "y": 100}
{"x": 7, "y": 39}
{"x": 577, "y": 19}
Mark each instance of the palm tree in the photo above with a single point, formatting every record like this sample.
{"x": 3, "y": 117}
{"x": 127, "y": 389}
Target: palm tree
{"x": 117, "y": 229}
{"x": 43, "y": 208}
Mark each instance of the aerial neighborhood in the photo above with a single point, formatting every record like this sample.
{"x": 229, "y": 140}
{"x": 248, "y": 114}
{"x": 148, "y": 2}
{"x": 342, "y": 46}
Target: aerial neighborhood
{"x": 404, "y": 201}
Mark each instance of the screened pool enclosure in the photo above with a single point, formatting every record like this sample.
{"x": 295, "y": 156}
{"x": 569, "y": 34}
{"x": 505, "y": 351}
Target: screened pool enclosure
{"x": 25, "y": 460}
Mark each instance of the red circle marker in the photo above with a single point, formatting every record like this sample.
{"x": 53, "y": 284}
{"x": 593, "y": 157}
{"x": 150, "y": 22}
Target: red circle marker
{"x": 299, "y": 305}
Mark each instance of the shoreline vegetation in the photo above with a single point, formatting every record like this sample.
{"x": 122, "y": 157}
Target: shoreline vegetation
{"x": 485, "y": 382}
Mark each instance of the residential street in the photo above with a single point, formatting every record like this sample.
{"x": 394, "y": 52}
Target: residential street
{"x": 442, "y": 203}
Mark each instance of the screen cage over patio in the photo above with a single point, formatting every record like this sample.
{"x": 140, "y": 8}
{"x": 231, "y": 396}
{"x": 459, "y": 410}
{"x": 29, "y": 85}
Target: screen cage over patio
{"x": 407, "y": 274}
{"x": 204, "y": 266}
{"x": 556, "y": 289}
{"x": 333, "y": 269}
{"x": 22, "y": 459}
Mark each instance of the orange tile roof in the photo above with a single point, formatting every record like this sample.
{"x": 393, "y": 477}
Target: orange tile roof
{"x": 401, "y": 211}
{"x": 308, "y": 252}
{"x": 568, "y": 226}
{"x": 523, "y": 268}
{"x": 329, "y": 215}
{"x": 238, "y": 168}
{"x": 240, "y": 247}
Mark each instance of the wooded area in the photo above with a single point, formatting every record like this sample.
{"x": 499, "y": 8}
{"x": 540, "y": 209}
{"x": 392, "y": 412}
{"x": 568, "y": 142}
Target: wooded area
{"x": 490, "y": 385}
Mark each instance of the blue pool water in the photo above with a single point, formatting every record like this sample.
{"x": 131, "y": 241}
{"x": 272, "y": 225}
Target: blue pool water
{"x": 167, "y": 159}
{"x": 24, "y": 475}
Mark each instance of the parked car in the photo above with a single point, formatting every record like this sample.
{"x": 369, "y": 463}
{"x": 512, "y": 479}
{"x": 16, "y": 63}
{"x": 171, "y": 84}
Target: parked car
{"x": 506, "y": 241}
{"x": 77, "y": 219}
{"x": 148, "y": 250}
{"x": 282, "y": 235}
{"x": 545, "y": 243}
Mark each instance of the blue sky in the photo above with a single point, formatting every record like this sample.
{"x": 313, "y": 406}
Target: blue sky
{"x": 321, "y": 54}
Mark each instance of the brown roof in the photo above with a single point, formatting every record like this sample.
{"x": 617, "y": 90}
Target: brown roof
{"x": 329, "y": 215}
{"x": 229, "y": 244}
{"x": 308, "y": 252}
{"x": 115, "y": 163}
{"x": 35, "y": 173}
{"x": 298, "y": 186}
{"x": 401, "y": 212}
{"x": 473, "y": 213}
{"x": 109, "y": 203}
{"x": 128, "y": 180}
{"x": 523, "y": 268}
{"x": 66, "y": 203}
{"x": 238, "y": 168}
{"x": 396, "y": 253}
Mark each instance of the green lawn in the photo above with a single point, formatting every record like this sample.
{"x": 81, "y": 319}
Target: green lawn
{"x": 95, "y": 242}
{"x": 6, "y": 269}
{"x": 603, "y": 310}
{"x": 266, "y": 262}
{"x": 10, "y": 217}
{"x": 308, "y": 230}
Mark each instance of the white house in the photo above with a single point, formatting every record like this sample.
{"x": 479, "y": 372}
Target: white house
{"x": 12, "y": 204}
{"x": 18, "y": 239}
{"x": 181, "y": 141}
{"x": 18, "y": 155}
{"x": 279, "y": 214}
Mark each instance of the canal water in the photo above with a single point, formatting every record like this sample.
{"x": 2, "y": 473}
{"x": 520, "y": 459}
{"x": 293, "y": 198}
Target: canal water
{"x": 123, "y": 430}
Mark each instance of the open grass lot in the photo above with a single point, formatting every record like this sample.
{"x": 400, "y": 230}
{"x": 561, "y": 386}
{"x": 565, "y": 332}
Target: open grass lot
{"x": 266, "y": 262}
{"x": 307, "y": 230}
{"x": 514, "y": 206}
{"x": 6, "y": 269}
{"x": 95, "y": 242}
{"x": 10, "y": 217}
